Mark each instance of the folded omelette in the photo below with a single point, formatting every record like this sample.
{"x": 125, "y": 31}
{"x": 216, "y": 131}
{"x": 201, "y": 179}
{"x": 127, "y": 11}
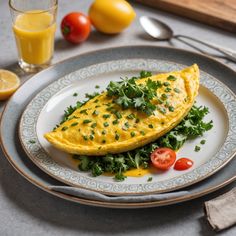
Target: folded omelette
{"x": 100, "y": 126}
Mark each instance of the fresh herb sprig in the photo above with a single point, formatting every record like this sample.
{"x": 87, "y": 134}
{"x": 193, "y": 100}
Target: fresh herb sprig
{"x": 191, "y": 126}
{"x": 128, "y": 94}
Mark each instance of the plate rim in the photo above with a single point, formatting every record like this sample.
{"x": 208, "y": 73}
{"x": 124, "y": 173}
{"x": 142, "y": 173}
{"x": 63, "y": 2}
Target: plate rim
{"x": 111, "y": 205}
{"x": 114, "y": 193}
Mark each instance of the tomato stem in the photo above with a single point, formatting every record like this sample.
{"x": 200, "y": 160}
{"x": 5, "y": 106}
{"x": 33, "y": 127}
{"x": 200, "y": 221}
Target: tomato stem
{"x": 66, "y": 30}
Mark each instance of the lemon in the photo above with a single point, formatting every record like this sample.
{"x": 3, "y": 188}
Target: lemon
{"x": 9, "y": 83}
{"x": 111, "y": 16}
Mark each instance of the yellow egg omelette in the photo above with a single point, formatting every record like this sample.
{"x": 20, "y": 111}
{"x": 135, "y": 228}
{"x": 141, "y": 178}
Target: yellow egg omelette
{"x": 101, "y": 126}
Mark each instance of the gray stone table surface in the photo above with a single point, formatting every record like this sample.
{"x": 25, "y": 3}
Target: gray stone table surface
{"x": 27, "y": 210}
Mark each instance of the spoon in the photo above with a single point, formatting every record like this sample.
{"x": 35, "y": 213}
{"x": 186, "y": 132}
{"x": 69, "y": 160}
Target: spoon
{"x": 161, "y": 31}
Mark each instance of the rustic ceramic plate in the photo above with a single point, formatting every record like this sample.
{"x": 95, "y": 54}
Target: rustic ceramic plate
{"x": 11, "y": 115}
{"x": 46, "y": 109}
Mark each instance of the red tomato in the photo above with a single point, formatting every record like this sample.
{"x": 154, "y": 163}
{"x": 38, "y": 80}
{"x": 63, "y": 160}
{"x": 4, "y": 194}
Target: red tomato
{"x": 183, "y": 164}
{"x": 163, "y": 158}
{"x": 75, "y": 27}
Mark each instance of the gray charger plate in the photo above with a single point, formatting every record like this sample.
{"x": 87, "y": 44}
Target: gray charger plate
{"x": 13, "y": 110}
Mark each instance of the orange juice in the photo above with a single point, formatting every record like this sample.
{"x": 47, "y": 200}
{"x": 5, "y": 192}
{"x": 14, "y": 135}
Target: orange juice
{"x": 34, "y": 33}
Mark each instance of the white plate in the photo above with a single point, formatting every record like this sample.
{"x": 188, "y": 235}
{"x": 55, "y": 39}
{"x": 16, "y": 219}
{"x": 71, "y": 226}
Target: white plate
{"x": 45, "y": 110}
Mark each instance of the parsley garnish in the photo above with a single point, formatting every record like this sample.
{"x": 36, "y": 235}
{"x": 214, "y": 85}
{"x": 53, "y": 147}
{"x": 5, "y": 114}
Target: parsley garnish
{"x": 128, "y": 94}
{"x": 84, "y": 112}
{"x": 90, "y": 96}
{"x": 191, "y": 126}
{"x": 64, "y": 128}
{"x": 105, "y": 124}
{"x": 95, "y": 112}
{"x": 149, "y": 179}
{"x": 87, "y": 121}
{"x": 105, "y": 116}
{"x": 130, "y": 116}
{"x": 164, "y": 96}
{"x": 118, "y": 115}
{"x": 167, "y": 90}
{"x": 132, "y": 133}
{"x": 94, "y": 125}
{"x": 115, "y": 122}
{"x": 117, "y": 136}
{"x": 197, "y": 148}
{"x": 176, "y": 90}
{"x": 203, "y": 141}
{"x": 171, "y": 78}
{"x": 74, "y": 124}
{"x": 145, "y": 74}
{"x": 142, "y": 132}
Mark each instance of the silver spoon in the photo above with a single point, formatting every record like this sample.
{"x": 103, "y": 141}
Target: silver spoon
{"x": 161, "y": 31}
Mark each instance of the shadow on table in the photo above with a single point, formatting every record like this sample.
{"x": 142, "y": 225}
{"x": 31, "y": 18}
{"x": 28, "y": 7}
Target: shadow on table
{"x": 95, "y": 37}
{"x": 67, "y": 215}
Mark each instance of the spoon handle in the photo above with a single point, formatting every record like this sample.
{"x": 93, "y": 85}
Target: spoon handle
{"x": 227, "y": 52}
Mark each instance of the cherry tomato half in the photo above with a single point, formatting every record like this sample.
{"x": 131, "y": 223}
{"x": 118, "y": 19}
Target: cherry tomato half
{"x": 163, "y": 158}
{"x": 183, "y": 164}
{"x": 75, "y": 27}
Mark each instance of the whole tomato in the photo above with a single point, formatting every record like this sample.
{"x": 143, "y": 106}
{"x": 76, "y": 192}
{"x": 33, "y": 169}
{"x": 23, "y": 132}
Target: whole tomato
{"x": 75, "y": 27}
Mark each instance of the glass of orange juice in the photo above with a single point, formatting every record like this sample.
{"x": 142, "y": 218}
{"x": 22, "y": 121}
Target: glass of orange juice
{"x": 34, "y": 26}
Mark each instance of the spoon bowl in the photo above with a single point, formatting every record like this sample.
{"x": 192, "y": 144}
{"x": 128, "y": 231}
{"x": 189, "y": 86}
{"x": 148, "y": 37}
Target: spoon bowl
{"x": 156, "y": 28}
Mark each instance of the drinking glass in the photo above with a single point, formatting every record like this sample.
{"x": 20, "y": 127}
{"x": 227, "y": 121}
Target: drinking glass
{"x": 34, "y": 26}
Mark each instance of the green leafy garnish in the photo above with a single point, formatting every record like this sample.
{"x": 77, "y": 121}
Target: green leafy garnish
{"x": 105, "y": 116}
{"x": 105, "y": 124}
{"x": 94, "y": 125}
{"x": 190, "y": 127}
{"x": 90, "y": 96}
{"x": 176, "y": 90}
{"x": 74, "y": 124}
{"x": 64, "y": 128}
{"x": 145, "y": 74}
{"x": 203, "y": 141}
{"x": 197, "y": 148}
{"x": 171, "y": 78}
{"x": 87, "y": 121}
{"x": 149, "y": 179}
{"x": 128, "y": 94}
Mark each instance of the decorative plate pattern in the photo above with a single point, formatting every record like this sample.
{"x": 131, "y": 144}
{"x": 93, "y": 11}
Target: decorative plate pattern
{"x": 40, "y": 157}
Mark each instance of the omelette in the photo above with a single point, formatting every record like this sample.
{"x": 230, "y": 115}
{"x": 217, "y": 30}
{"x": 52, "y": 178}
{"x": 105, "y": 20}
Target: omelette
{"x": 100, "y": 126}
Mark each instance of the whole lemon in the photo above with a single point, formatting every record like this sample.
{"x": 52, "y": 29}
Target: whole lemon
{"x": 111, "y": 16}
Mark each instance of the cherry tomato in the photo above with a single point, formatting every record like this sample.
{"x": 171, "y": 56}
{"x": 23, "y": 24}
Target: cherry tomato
{"x": 75, "y": 27}
{"x": 163, "y": 158}
{"x": 183, "y": 164}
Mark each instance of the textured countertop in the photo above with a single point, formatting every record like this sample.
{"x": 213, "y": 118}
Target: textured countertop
{"x": 27, "y": 210}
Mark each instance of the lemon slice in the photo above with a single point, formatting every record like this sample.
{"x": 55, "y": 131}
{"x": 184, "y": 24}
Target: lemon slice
{"x": 9, "y": 83}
